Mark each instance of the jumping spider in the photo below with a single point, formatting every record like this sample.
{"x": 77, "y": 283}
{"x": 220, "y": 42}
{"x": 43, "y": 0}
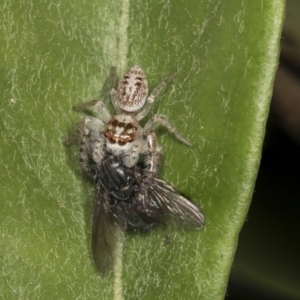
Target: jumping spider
{"x": 123, "y": 159}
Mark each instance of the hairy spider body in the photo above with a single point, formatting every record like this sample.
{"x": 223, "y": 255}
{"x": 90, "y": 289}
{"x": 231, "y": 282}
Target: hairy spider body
{"x": 123, "y": 158}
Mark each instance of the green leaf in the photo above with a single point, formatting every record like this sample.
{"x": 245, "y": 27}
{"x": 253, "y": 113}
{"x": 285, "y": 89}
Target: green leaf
{"x": 57, "y": 54}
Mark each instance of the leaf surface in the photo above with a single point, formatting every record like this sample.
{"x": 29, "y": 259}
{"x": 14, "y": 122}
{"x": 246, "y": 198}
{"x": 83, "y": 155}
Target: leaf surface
{"x": 57, "y": 54}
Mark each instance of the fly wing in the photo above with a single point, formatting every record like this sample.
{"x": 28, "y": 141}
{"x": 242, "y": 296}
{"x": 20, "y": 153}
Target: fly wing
{"x": 175, "y": 207}
{"x": 107, "y": 232}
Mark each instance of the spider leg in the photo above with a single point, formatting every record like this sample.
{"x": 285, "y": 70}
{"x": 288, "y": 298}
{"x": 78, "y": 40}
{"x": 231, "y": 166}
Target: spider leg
{"x": 153, "y": 155}
{"x": 113, "y": 79}
{"x": 153, "y": 95}
{"x": 95, "y": 108}
{"x": 160, "y": 119}
{"x": 91, "y": 140}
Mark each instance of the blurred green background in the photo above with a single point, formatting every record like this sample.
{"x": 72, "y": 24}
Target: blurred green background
{"x": 267, "y": 261}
